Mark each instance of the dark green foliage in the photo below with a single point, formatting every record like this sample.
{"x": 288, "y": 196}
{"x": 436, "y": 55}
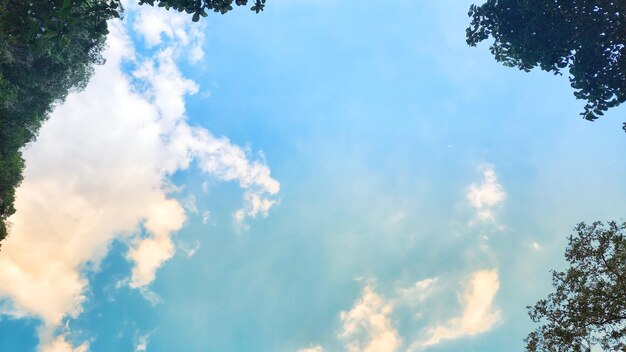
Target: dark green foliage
{"x": 587, "y": 37}
{"x": 589, "y": 305}
{"x": 200, "y": 7}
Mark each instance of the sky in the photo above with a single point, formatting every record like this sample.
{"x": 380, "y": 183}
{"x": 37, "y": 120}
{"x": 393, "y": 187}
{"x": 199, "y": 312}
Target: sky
{"x": 323, "y": 176}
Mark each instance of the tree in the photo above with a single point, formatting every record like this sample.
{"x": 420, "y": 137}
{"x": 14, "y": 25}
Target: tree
{"x": 587, "y": 37}
{"x": 48, "y": 48}
{"x": 589, "y": 305}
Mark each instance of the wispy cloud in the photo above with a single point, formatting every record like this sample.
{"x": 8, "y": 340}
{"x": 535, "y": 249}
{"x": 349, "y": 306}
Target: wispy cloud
{"x": 189, "y": 249}
{"x": 141, "y": 344}
{"x": 206, "y": 216}
{"x": 100, "y": 171}
{"x": 367, "y": 326}
{"x": 478, "y": 315}
{"x": 417, "y": 293}
{"x": 486, "y": 196}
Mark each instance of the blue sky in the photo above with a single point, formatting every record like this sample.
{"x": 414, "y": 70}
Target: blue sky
{"x": 319, "y": 177}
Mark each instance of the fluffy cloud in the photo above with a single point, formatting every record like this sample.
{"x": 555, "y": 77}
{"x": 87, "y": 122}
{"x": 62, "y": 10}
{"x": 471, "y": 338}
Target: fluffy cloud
{"x": 99, "y": 171}
{"x": 367, "y": 326}
{"x": 59, "y": 344}
{"x": 156, "y": 25}
{"x": 478, "y": 313}
{"x": 484, "y": 197}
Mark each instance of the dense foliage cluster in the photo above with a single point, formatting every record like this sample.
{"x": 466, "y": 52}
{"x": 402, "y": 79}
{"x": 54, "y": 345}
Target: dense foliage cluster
{"x": 48, "y": 48}
{"x": 200, "y": 7}
{"x": 589, "y": 305}
{"x": 587, "y": 37}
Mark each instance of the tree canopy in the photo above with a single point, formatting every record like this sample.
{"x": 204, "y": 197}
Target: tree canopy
{"x": 199, "y": 8}
{"x": 585, "y": 37}
{"x": 48, "y": 48}
{"x": 589, "y": 305}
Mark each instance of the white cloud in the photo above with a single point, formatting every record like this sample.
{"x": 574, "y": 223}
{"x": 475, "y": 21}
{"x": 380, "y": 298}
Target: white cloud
{"x": 156, "y": 25}
{"x": 142, "y": 343}
{"x": 312, "y": 349}
{"x": 239, "y": 217}
{"x": 190, "y": 204}
{"x": 152, "y": 297}
{"x": 59, "y": 344}
{"x": 148, "y": 254}
{"x": 486, "y": 196}
{"x": 206, "y": 216}
{"x": 189, "y": 249}
{"x": 367, "y": 326}
{"x": 417, "y": 293}
{"x": 99, "y": 171}
{"x": 478, "y": 315}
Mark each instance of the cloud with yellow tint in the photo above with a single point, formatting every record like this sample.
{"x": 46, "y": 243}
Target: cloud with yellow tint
{"x": 367, "y": 326}
{"x": 478, "y": 315}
